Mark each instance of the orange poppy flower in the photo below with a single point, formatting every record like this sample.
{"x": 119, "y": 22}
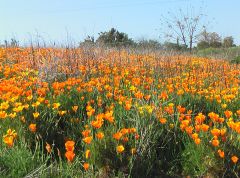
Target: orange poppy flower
{"x": 163, "y": 120}
{"x": 8, "y": 140}
{"x": 48, "y": 148}
{"x": 204, "y": 127}
{"x": 69, "y": 145}
{"x": 32, "y": 128}
{"x": 228, "y": 113}
{"x": 88, "y": 140}
{"x": 117, "y": 135}
{"x": 86, "y": 133}
{"x": 221, "y": 153}
{"x": 120, "y": 148}
{"x": 215, "y": 142}
{"x": 70, "y": 155}
{"x": 234, "y": 159}
{"x": 197, "y": 141}
{"x": 86, "y": 166}
{"x": 215, "y": 132}
{"x": 100, "y": 135}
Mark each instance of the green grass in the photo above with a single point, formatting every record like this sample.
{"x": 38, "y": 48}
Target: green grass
{"x": 221, "y": 53}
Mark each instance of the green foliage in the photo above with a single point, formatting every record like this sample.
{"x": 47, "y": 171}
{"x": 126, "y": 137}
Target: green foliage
{"x": 221, "y": 53}
{"x": 174, "y": 46}
{"x": 89, "y": 41}
{"x": 209, "y": 39}
{"x": 114, "y": 38}
{"x": 228, "y": 42}
{"x": 199, "y": 160}
{"x": 203, "y": 45}
{"x": 152, "y": 44}
{"x": 236, "y": 60}
{"x": 20, "y": 160}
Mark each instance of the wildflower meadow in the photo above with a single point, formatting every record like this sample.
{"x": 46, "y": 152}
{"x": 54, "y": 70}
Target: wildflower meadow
{"x": 70, "y": 112}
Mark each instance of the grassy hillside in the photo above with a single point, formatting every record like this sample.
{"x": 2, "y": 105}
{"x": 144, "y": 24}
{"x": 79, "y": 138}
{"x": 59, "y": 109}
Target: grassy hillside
{"x": 222, "y": 53}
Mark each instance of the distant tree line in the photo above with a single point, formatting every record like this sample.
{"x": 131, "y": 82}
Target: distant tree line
{"x": 114, "y": 38}
{"x": 214, "y": 40}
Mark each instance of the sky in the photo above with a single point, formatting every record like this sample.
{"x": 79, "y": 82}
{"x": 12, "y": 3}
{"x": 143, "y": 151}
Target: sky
{"x": 72, "y": 20}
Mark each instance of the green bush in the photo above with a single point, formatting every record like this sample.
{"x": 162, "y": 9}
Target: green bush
{"x": 236, "y": 60}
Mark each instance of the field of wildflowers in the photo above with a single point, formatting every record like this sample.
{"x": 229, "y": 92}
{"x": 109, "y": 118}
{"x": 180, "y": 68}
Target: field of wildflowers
{"x": 77, "y": 113}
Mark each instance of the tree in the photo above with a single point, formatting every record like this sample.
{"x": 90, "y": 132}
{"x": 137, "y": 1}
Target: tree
{"x": 89, "y": 41}
{"x": 215, "y": 40}
{"x": 114, "y": 38}
{"x": 228, "y": 42}
{"x": 203, "y": 45}
{"x": 184, "y": 28}
{"x": 204, "y": 36}
{"x": 150, "y": 44}
{"x": 209, "y": 39}
{"x": 174, "y": 46}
